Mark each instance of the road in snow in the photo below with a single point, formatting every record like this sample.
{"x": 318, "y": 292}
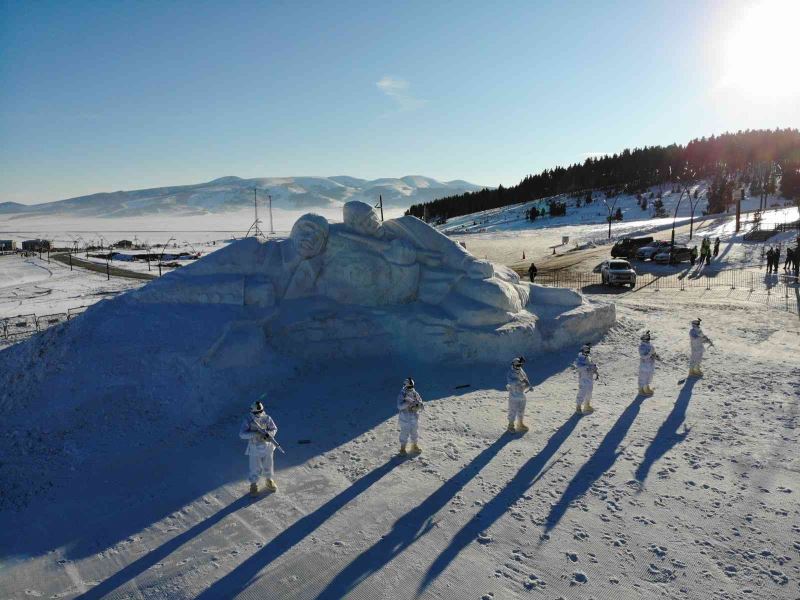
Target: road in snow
{"x": 33, "y": 285}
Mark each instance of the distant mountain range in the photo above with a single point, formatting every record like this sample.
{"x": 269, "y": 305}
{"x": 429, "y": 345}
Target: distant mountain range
{"x": 234, "y": 193}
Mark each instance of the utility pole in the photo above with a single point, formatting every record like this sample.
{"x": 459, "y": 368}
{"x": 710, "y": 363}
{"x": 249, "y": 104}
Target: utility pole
{"x": 271, "y": 229}
{"x": 380, "y": 205}
{"x": 254, "y": 227}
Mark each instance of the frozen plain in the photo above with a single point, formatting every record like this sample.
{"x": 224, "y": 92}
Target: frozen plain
{"x": 689, "y": 494}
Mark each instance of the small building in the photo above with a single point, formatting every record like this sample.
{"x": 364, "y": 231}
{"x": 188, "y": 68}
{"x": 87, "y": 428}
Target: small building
{"x": 124, "y": 244}
{"x": 8, "y": 245}
{"x": 36, "y": 245}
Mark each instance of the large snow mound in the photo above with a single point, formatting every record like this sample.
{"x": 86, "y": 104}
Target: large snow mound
{"x": 180, "y": 351}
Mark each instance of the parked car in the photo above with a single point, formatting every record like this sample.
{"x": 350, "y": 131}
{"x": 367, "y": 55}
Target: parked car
{"x": 627, "y": 247}
{"x": 679, "y": 254}
{"x": 651, "y": 249}
{"x": 617, "y": 272}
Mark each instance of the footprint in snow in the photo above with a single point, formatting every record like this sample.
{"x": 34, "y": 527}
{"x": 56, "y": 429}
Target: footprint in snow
{"x": 578, "y": 577}
{"x": 534, "y": 582}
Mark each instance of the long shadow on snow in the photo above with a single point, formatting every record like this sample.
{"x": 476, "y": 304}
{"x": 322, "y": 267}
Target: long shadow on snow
{"x": 408, "y": 528}
{"x": 497, "y": 506}
{"x": 153, "y": 557}
{"x": 667, "y": 435}
{"x": 601, "y": 461}
{"x": 242, "y": 575}
{"x": 339, "y": 403}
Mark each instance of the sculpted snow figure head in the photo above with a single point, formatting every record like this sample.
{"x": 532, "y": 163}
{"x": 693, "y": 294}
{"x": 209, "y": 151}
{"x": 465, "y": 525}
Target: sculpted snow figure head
{"x": 362, "y": 218}
{"x": 309, "y": 235}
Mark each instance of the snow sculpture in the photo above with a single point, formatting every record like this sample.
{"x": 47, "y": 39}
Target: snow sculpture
{"x": 363, "y": 287}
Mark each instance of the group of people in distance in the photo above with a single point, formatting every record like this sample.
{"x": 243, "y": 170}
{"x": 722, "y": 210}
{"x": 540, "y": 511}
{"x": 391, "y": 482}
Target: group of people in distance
{"x": 790, "y": 265}
{"x": 259, "y": 429}
{"x": 705, "y": 251}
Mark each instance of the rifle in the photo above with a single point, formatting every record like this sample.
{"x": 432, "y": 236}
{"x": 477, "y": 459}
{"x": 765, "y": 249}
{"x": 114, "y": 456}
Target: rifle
{"x": 267, "y": 435}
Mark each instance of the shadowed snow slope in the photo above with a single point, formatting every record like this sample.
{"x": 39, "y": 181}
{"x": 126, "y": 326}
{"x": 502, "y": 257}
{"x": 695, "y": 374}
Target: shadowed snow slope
{"x": 123, "y": 475}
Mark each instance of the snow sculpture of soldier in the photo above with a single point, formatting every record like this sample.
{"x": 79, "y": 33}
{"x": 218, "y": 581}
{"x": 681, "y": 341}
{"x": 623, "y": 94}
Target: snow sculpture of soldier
{"x": 697, "y": 341}
{"x": 587, "y": 373}
{"x": 409, "y": 403}
{"x": 259, "y": 430}
{"x": 647, "y": 364}
{"x": 517, "y": 384}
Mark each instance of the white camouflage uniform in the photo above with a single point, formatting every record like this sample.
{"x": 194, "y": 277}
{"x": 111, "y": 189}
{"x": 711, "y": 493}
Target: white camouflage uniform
{"x": 697, "y": 341}
{"x": 259, "y": 449}
{"x": 409, "y": 403}
{"x": 516, "y": 384}
{"x": 586, "y": 372}
{"x": 647, "y": 364}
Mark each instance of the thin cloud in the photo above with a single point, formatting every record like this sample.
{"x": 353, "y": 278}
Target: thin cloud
{"x": 399, "y": 91}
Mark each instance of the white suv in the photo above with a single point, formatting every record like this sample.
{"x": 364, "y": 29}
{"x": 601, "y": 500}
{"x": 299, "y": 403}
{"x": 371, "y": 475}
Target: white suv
{"x": 651, "y": 249}
{"x": 617, "y": 272}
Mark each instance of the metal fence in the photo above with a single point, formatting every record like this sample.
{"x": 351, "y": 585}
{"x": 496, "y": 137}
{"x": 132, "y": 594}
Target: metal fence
{"x": 777, "y": 290}
{"x": 14, "y": 329}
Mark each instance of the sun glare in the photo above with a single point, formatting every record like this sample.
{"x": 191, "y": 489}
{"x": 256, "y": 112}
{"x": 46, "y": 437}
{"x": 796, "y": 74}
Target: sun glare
{"x": 760, "y": 52}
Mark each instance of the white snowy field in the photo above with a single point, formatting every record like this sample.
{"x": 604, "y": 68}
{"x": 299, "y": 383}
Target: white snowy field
{"x": 33, "y": 285}
{"x": 689, "y": 494}
{"x": 199, "y": 230}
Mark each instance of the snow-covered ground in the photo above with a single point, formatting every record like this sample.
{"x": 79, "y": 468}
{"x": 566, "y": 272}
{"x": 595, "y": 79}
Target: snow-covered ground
{"x": 200, "y": 229}
{"x": 32, "y": 285}
{"x": 512, "y": 217}
{"x": 127, "y": 479}
{"x": 688, "y": 494}
{"x": 507, "y": 245}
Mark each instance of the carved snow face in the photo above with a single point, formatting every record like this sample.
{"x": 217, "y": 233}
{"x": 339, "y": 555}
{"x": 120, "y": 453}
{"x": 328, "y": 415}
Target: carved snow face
{"x": 362, "y": 218}
{"x": 309, "y": 235}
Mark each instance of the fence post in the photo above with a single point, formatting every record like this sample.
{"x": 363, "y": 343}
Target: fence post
{"x": 733, "y": 280}
{"x": 708, "y": 283}
{"x": 752, "y": 289}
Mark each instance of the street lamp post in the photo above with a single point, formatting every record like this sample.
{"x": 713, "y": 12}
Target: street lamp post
{"x": 672, "y": 240}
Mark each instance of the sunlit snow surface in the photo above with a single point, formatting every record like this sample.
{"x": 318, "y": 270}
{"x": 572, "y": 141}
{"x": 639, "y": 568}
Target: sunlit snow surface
{"x": 140, "y": 492}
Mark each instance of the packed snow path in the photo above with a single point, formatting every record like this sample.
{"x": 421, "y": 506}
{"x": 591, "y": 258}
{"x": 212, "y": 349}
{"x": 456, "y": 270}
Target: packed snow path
{"x": 691, "y": 493}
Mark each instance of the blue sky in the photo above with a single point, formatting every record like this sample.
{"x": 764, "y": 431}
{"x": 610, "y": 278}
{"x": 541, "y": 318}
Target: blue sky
{"x": 102, "y": 96}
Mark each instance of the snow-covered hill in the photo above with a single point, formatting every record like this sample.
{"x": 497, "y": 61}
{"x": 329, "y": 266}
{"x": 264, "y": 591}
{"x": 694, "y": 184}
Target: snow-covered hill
{"x": 233, "y": 193}
{"x": 512, "y": 217}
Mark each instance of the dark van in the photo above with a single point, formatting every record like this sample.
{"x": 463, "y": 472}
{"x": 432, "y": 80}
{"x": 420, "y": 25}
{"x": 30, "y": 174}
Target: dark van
{"x": 627, "y": 247}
